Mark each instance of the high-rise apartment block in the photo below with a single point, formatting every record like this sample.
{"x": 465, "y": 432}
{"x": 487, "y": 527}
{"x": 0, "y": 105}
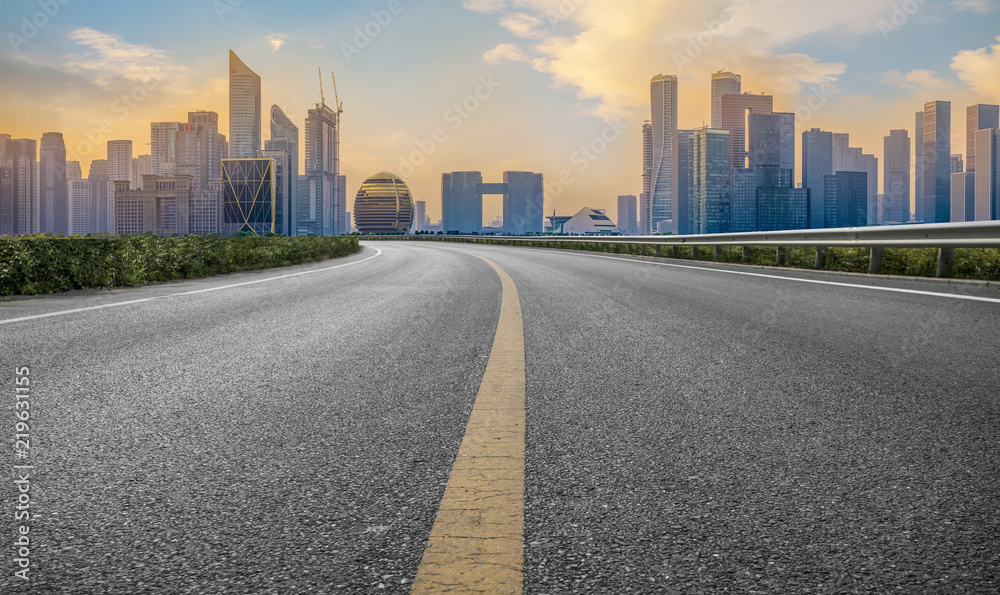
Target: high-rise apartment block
{"x": 322, "y": 168}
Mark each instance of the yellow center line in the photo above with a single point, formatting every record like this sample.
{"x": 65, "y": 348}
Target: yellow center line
{"x": 477, "y": 541}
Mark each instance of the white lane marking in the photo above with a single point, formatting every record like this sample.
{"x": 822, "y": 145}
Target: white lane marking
{"x": 378, "y": 252}
{"x": 954, "y": 296}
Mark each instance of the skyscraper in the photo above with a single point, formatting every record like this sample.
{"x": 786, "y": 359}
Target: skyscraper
{"x": 100, "y": 184}
{"x": 957, "y": 163}
{"x": 523, "y": 202}
{"x": 628, "y": 222}
{"x": 419, "y": 214}
{"x": 742, "y": 199}
{"x": 663, "y": 101}
{"x": 937, "y": 161}
{"x": 342, "y": 216}
{"x": 842, "y": 158}
{"x": 918, "y": 168}
{"x": 119, "y": 170}
{"x": 684, "y": 198}
{"x": 200, "y": 148}
{"x": 734, "y": 119}
{"x": 163, "y": 147}
{"x": 244, "y": 110}
{"x": 248, "y": 202}
{"x": 779, "y": 204}
{"x": 54, "y": 204}
{"x": 462, "y": 202}
{"x": 285, "y": 136}
{"x": 868, "y": 163}
{"x": 817, "y": 163}
{"x": 896, "y": 178}
{"x": 723, "y": 83}
{"x": 141, "y": 166}
{"x": 963, "y": 197}
{"x": 978, "y": 117}
{"x": 847, "y": 199}
{"x": 18, "y": 186}
{"x": 79, "y": 206}
{"x": 645, "y": 206}
{"x": 771, "y": 140}
{"x": 987, "y": 195}
{"x": 284, "y": 198}
{"x": 322, "y": 169}
{"x": 710, "y": 180}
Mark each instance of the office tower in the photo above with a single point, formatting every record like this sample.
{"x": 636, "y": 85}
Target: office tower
{"x": 734, "y": 119}
{"x": 120, "y": 161}
{"x": 685, "y": 206}
{"x": 100, "y": 182}
{"x": 18, "y": 212}
{"x": 742, "y": 199}
{"x": 918, "y": 169}
{"x": 166, "y": 206}
{"x": 73, "y": 171}
{"x": 141, "y": 166}
{"x": 54, "y": 204}
{"x": 461, "y": 202}
{"x": 868, "y": 163}
{"x": 723, "y": 83}
{"x": 663, "y": 101}
{"x": 628, "y": 211}
{"x": 244, "y": 110}
{"x": 771, "y": 140}
{"x": 322, "y": 167}
{"x": 419, "y": 213}
{"x": 285, "y": 136}
{"x": 963, "y": 197}
{"x": 302, "y": 193}
{"x": 79, "y": 206}
{"x": 200, "y": 148}
{"x": 842, "y": 158}
{"x": 847, "y": 199}
{"x": 937, "y": 161}
{"x": 36, "y": 199}
{"x": 780, "y": 206}
{"x": 523, "y": 202}
{"x": 163, "y": 147}
{"x": 249, "y": 191}
{"x": 978, "y": 117}
{"x": 710, "y": 180}
{"x": 817, "y": 163}
{"x": 896, "y": 178}
{"x": 987, "y": 195}
{"x": 957, "y": 164}
{"x": 645, "y": 206}
{"x": 284, "y": 198}
{"x": 343, "y": 219}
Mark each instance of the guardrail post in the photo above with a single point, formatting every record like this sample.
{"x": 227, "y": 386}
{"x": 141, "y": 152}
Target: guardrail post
{"x": 779, "y": 256}
{"x": 747, "y": 254}
{"x": 875, "y": 261}
{"x": 821, "y": 257}
{"x": 694, "y": 252}
{"x": 718, "y": 253}
{"x": 675, "y": 251}
{"x": 946, "y": 261}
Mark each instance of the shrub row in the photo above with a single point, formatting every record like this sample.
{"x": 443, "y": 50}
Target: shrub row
{"x": 35, "y": 265}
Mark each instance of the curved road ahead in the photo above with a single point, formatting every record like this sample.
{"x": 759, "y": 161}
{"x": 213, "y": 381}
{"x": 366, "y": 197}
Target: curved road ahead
{"x": 687, "y": 428}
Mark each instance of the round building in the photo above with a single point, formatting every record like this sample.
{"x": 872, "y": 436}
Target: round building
{"x": 384, "y": 205}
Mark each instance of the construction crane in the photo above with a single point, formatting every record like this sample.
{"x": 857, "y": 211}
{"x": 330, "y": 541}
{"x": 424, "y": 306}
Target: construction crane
{"x": 322, "y": 98}
{"x": 336, "y": 96}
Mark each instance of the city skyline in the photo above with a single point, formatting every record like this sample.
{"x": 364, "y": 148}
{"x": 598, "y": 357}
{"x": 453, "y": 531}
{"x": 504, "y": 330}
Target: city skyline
{"x": 863, "y": 72}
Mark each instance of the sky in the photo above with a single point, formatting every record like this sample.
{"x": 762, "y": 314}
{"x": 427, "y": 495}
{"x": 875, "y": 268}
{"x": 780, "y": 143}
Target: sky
{"x": 559, "y": 87}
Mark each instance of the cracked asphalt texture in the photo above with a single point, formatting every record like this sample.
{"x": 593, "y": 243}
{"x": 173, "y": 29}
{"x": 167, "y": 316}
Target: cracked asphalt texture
{"x": 687, "y": 431}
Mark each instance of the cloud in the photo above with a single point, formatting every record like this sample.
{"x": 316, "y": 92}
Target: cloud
{"x": 609, "y": 49}
{"x": 107, "y": 57}
{"x": 980, "y": 6}
{"x": 505, "y": 51}
{"x": 978, "y": 69}
{"x": 276, "y": 40}
{"x": 921, "y": 83}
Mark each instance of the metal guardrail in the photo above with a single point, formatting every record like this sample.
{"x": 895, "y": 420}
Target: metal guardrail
{"x": 943, "y": 236}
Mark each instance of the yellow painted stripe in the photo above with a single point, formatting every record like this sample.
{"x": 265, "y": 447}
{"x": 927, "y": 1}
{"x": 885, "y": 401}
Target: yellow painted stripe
{"x": 477, "y": 541}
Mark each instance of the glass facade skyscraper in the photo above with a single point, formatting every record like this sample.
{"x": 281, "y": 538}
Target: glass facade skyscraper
{"x": 771, "y": 140}
{"x": 817, "y": 163}
{"x": 461, "y": 202}
{"x": 710, "y": 180}
{"x": 734, "y": 119}
{"x": 244, "y": 109}
{"x": 847, "y": 199}
{"x": 249, "y": 194}
{"x": 54, "y": 215}
{"x": 978, "y": 117}
{"x": 523, "y": 202}
{"x": 937, "y": 161}
{"x": 896, "y": 178}
{"x": 663, "y": 101}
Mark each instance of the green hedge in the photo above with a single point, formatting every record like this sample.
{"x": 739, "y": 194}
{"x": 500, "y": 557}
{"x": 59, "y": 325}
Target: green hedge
{"x": 34, "y": 265}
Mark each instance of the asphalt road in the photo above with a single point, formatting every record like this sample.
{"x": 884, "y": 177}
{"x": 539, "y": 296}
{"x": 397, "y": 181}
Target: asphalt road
{"x": 689, "y": 430}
